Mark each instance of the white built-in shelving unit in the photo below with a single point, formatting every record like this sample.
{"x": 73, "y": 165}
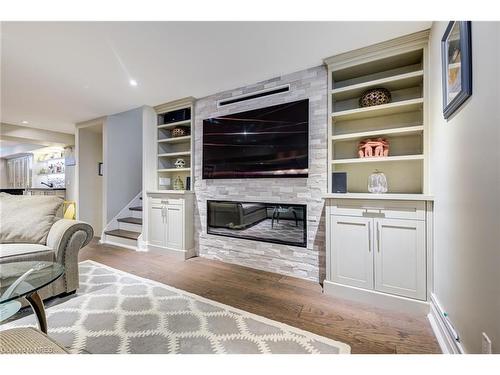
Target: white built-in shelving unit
{"x": 168, "y": 148}
{"x": 400, "y": 67}
{"x": 379, "y": 246}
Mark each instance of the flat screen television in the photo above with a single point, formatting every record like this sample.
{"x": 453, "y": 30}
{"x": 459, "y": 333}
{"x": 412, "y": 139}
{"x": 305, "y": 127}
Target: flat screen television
{"x": 265, "y": 142}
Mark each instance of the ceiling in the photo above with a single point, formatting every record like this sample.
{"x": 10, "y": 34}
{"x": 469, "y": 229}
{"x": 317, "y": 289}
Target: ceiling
{"x": 12, "y": 148}
{"x": 54, "y": 74}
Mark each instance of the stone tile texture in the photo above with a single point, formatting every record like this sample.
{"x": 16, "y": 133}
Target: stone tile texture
{"x": 307, "y": 263}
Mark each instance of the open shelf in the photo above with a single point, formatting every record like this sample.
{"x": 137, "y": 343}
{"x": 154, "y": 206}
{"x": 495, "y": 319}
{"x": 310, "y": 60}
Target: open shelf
{"x": 48, "y": 160}
{"x": 392, "y": 83}
{"x": 174, "y": 170}
{"x": 385, "y": 196}
{"x": 50, "y": 174}
{"x": 169, "y": 191}
{"x": 401, "y": 68}
{"x": 398, "y": 63}
{"x": 403, "y": 176}
{"x": 174, "y": 154}
{"x": 380, "y": 110}
{"x": 394, "y": 132}
{"x": 185, "y": 138}
{"x": 178, "y": 113}
{"x": 378, "y": 159}
{"x": 175, "y": 124}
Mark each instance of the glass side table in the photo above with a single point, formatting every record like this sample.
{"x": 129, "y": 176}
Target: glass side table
{"x": 25, "y": 279}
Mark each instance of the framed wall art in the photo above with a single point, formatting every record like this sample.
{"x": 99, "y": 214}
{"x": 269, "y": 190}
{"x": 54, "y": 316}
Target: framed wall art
{"x": 456, "y": 51}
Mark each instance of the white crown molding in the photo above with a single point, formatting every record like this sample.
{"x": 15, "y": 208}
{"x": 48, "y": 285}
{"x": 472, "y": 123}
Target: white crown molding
{"x": 176, "y": 104}
{"x": 376, "y": 51}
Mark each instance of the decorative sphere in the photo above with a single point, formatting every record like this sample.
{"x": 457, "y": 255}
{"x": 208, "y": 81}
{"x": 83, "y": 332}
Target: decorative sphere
{"x": 179, "y": 163}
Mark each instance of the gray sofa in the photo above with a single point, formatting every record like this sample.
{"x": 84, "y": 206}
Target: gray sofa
{"x": 30, "y": 231}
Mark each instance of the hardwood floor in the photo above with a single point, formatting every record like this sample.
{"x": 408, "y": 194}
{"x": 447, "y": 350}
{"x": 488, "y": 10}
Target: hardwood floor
{"x": 293, "y": 301}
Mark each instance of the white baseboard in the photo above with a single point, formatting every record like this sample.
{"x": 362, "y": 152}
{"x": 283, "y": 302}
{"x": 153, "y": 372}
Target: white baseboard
{"x": 447, "y": 343}
{"x": 120, "y": 242}
{"x": 377, "y": 299}
{"x": 180, "y": 254}
{"x": 141, "y": 244}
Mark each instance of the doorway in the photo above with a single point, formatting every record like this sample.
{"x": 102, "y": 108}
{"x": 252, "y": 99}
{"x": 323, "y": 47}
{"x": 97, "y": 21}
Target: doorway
{"x": 89, "y": 139}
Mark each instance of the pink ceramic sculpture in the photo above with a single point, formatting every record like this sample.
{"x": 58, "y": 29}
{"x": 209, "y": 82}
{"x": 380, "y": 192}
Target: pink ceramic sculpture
{"x": 373, "y": 148}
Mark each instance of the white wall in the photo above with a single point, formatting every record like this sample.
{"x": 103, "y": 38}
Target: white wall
{"x": 90, "y": 202}
{"x": 149, "y": 161}
{"x": 70, "y": 175}
{"x": 465, "y": 176}
{"x": 123, "y": 159}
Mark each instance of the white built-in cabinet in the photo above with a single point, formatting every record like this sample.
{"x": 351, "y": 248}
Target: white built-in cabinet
{"x": 386, "y": 255}
{"x": 170, "y": 223}
{"x": 378, "y": 246}
{"x": 352, "y": 251}
{"x": 19, "y": 171}
{"x": 157, "y": 225}
{"x": 399, "y": 257}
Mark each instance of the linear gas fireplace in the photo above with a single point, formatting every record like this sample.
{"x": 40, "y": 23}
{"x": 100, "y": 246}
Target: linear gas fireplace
{"x": 267, "y": 222}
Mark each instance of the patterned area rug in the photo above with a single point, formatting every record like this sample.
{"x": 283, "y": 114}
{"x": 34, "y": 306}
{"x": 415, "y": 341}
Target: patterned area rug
{"x": 117, "y": 312}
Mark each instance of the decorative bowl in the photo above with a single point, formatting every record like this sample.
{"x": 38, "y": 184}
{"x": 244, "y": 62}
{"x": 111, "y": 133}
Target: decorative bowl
{"x": 179, "y": 131}
{"x": 373, "y": 97}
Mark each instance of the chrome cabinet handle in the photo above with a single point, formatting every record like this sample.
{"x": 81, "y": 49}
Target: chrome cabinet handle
{"x": 369, "y": 236}
{"x": 378, "y": 236}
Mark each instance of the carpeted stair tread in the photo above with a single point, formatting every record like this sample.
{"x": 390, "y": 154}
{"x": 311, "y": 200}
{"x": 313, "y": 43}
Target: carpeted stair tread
{"x": 136, "y": 208}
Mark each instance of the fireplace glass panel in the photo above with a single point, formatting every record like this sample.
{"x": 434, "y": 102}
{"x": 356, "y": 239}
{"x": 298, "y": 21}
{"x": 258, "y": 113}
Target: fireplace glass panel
{"x": 267, "y": 222}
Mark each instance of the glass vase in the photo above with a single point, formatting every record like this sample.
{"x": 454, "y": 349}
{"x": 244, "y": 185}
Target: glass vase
{"x": 377, "y": 183}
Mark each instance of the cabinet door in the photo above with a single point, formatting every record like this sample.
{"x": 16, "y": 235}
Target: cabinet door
{"x": 175, "y": 226}
{"x": 17, "y": 173}
{"x": 156, "y": 226}
{"x": 400, "y": 257}
{"x": 352, "y": 251}
{"x": 10, "y": 168}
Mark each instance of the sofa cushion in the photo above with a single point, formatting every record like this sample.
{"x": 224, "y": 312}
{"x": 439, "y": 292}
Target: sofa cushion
{"x": 15, "y": 249}
{"x": 27, "y": 218}
{"x": 28, "y": 340}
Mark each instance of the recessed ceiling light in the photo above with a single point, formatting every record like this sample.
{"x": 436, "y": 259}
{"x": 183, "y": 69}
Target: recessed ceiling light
{"x": 132, "y": 82}
{"x": 24, "y": 122}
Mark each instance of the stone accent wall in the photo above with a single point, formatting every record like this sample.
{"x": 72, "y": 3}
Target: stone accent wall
{"x": 307, "y": 263}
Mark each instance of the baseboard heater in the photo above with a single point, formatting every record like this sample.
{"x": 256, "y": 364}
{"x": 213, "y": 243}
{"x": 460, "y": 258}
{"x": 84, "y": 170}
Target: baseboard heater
{"x": 447, "y": 325}
{"x": 255, "y": 95}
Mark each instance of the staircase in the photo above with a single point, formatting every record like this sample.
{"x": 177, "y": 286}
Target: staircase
{"x": 129, "y": 229}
